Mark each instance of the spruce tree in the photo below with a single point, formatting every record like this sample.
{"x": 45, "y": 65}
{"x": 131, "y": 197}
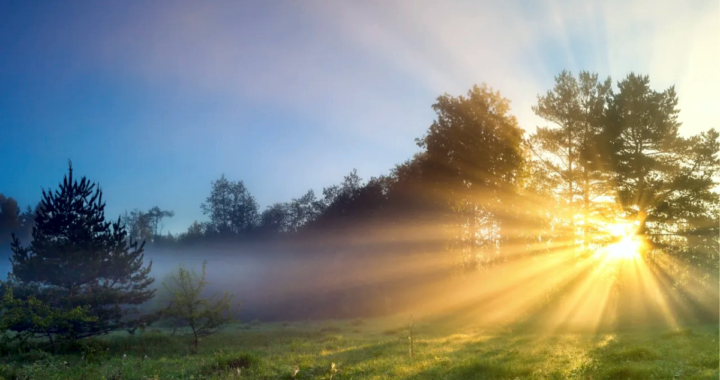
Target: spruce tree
{"x": 76, "y": 258}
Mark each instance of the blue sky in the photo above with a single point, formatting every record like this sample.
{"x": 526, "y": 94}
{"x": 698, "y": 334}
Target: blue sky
{"x": 154, "y": 100}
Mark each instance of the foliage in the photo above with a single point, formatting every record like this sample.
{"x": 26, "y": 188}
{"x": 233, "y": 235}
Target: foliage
{"x": 32, "y": 318}
{"x": 77, "y": 259}
{"x": 145, "y": 226}
{"x": 570, "y": 152}
{"x": 231, "y": 208}
{"x": 13, "y": 221}
{"x": 204, "y": 316}
{"x": 473, "y": 161}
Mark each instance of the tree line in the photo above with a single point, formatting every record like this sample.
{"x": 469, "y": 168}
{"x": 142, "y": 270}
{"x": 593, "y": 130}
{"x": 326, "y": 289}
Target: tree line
{"x": 478, "y": 194}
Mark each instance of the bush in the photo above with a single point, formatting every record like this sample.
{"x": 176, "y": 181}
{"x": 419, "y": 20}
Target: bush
{"x": 204, "y": 316}
{"x": 31, "y": 319}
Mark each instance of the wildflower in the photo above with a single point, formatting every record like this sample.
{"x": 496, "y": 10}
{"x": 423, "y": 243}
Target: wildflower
{"x": 124, "y": 356}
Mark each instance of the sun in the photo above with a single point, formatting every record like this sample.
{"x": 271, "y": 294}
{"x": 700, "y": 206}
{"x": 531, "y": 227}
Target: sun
{"x": 629, "y": 244}
{"x": 628, "y": 248}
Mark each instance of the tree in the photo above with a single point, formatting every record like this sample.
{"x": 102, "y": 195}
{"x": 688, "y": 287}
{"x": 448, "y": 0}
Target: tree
{"x": 275, "y": 219}
{"x": 643, "y": 135}
{"x": 138, "y": 224}
{"x": 665, "y": 182}
{"x": 473, "y": 162}
{"x": 570, "y": 151}
{"x": 76, "y": 258}
{"x": 10, "y": 219}
{"x": 13, "y": 221}
{"x": 303, "y": 210}
{"x": 145, "y": 225}
{"x": 231, "y": 207}
{"x": 204, "y": 316}
{"x": 156, "y": 216}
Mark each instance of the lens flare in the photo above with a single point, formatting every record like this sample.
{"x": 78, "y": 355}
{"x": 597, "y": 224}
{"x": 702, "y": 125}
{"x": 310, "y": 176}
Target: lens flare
{"x": 626, "y": 249}
{"x": 629, "y": 244}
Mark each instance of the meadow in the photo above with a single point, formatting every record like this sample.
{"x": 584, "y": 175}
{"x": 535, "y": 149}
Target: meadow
{"x": 380, "y": 349}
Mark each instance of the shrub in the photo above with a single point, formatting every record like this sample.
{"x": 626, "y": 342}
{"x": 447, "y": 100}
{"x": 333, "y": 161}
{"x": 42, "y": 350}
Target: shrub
{"x": 32, "y": 318}
{"x": 204, "y": 316}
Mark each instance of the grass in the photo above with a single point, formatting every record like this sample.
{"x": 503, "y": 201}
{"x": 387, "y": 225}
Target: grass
{"x": 275, "y": 350}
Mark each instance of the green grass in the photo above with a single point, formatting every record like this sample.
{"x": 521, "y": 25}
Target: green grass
{"x": 273, "y": 350}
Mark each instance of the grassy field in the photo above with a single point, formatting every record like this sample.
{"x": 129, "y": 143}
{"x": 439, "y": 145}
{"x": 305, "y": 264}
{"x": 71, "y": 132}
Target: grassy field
{"x": 379, "y": 349}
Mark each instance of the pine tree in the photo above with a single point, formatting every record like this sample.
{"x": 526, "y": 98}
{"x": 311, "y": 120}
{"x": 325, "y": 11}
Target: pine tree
{"x": 570, "y": 151}
{"x": 76, "y": 258}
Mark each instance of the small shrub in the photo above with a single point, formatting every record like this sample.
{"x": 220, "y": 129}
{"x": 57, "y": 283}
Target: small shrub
{"x": 204, "y": 316}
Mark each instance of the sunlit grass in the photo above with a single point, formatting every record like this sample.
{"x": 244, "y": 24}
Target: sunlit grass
{"x": 272, "y": 351}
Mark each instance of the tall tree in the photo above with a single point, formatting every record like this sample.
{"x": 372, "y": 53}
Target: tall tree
{"x": 194, "y": 233}
{"x": 569, "y": 151}
{"x": 156, "y": 215}
{"x": 665, "y": 182}
{"x": 138, "y": 224}
{"x": 473, "y": 160}
{"x": 231, "y": 207}
{"x": 303, "y": 210}
{"x": 276, "y": 219}
{"x": 76, "y": 258}
{"x": 11, "y": 220}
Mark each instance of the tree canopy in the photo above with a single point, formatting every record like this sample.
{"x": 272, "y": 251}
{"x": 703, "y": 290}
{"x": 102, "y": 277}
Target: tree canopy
{"x": 77, "y": 258}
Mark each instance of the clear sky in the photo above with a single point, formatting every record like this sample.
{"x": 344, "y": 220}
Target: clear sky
{"x": 155, "y": 99}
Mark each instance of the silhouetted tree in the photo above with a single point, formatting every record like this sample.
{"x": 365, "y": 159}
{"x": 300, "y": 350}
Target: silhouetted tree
{"x": 76, "y": 258}
{"x": 138, "y": 225}
{"x": 156, "y": 216}
{"x": 665, "y": 182}
{"x": 570, "y": 151}
{"x": 275, "y": 219}
{"x": 231, "y": 208}
{"x": 303, "y": 210}
{"x": 474, "y": 160}
{"x": 11, "y": 221}
{"x": 194, "y": 233}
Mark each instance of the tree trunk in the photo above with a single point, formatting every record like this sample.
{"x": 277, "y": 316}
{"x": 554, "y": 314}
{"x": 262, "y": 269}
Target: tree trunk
{"x": 52, "y": 342}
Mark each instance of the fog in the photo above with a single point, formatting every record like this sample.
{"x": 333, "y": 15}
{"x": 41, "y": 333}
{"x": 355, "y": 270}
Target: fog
{"x": 280, "y": 282}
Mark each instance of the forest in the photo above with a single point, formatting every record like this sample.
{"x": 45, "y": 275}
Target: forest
{"x": 605, "y": 217}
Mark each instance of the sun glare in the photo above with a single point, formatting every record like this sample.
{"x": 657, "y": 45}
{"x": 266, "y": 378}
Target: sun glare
{"x": 626, "y": 249}
{"x": 629, "y": 245}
